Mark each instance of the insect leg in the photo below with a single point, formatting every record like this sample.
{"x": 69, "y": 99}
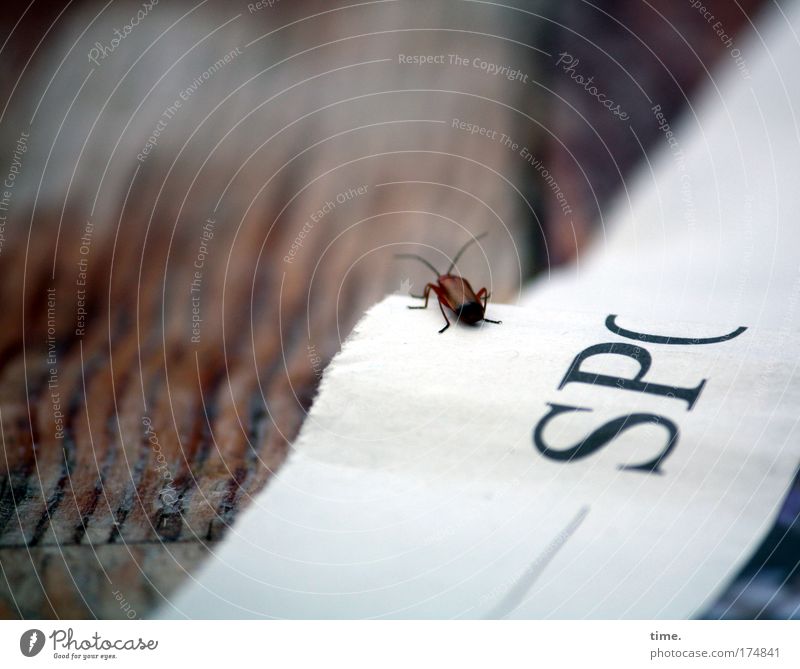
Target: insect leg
{"x": 442, "y": 300}
{"x": 424, "y": 296}
{"x": 441, "y": 307}
{"x": 485, "y": 294}
{"x": 432, "y": 287}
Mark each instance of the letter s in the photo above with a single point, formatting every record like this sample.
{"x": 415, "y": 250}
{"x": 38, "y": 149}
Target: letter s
{"x": 602, "y": 436}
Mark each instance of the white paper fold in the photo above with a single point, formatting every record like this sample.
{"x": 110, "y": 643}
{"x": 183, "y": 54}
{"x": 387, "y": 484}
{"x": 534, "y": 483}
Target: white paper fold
{"x": 416, "y": 488}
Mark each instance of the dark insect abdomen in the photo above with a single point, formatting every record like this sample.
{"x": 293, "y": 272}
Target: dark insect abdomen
{"x": 470, "y": 312}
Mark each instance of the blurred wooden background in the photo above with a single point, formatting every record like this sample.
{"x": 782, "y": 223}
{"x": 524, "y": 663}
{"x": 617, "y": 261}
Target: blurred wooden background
{"x": 129, "y": 447}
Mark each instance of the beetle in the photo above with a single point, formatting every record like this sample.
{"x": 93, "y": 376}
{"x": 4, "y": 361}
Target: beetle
{"x": 454, "y": 292}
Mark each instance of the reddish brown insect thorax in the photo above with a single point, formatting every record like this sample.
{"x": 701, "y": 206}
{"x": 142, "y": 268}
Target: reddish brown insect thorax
{"x": 461, "y": 299}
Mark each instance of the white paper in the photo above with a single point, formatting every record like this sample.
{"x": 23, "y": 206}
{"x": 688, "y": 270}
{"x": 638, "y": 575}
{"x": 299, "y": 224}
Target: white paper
{"x": 415, "y": 489}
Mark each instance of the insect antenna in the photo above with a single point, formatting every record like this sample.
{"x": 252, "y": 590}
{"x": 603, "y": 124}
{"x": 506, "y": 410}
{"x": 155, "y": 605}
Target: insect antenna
{"x": 420, "y": 258}
{"x": 464, "y": 248}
